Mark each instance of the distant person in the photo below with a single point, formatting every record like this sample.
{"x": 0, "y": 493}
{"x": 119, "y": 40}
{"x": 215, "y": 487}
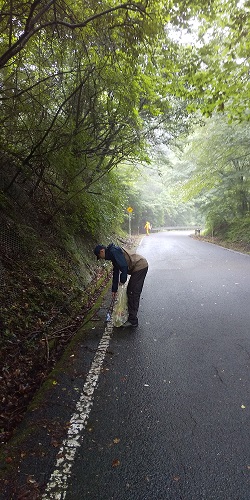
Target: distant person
{"x": 124, "y": 263}
{"x": 147, "y": 227}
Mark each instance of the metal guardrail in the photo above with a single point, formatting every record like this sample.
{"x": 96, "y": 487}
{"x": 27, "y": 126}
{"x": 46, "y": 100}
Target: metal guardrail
{"x": 176, "y": 228}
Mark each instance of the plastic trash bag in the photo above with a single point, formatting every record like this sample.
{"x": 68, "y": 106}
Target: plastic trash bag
{"x": 110, "y": 310}
{"x": 120, "y": 311}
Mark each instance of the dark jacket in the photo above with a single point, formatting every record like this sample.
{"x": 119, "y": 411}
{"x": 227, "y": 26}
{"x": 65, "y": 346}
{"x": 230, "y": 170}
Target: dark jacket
{"x": 124, "y": 263}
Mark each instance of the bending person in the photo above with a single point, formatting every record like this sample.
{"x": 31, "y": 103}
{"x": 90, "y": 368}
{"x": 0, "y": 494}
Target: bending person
{"x": 124, "y": 263}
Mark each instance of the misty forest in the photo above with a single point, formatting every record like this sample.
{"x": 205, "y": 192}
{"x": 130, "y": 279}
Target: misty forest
{"x": 105, "y": 106}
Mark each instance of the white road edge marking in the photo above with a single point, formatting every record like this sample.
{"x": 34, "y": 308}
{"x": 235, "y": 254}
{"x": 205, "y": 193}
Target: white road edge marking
{"x": 57, "y": 485}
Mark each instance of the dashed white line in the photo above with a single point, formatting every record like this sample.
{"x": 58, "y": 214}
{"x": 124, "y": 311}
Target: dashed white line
{"x": 57, "y": 485}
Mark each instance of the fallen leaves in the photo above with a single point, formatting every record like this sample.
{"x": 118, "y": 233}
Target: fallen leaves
{"x": 55, "y": 443}
{"x": 25, "y": 356}
{"x": 116, "y": 463}
{"x": 176, "y": 478}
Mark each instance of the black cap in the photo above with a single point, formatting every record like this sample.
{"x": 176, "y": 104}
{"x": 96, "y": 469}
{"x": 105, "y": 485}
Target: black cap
{"x": 97, "y": 250}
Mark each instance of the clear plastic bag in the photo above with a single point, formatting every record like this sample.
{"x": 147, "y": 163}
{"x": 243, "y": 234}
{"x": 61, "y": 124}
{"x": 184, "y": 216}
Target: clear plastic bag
{"x": 120, "y": 311}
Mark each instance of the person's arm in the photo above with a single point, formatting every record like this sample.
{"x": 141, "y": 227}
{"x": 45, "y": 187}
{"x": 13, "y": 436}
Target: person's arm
{"x": 115, "y": 280}
{"x": 120, "y": 266}
{"x": 124, "y": 275}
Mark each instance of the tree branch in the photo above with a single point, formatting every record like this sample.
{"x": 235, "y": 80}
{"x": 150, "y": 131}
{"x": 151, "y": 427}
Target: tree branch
{"x": 30, "y": 30}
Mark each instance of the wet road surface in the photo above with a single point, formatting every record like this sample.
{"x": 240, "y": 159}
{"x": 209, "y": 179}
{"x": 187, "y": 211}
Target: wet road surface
{"x": 169, "y": 416}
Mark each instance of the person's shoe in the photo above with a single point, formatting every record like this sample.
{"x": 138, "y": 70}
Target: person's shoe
{"x": 129, "y": 324}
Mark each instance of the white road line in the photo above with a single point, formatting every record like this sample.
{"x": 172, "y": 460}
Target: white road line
{"x": 57, "y": 485}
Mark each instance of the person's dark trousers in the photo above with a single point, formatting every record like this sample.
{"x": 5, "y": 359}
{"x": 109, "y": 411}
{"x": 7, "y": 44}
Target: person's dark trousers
{"x": 134, "y": 290}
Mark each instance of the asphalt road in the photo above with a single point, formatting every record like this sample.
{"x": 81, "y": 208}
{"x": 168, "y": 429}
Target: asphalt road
{"x": 167, "y": 414}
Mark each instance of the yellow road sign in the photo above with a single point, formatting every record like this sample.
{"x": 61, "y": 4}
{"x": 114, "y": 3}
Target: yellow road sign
{"x": 130, "y": 209}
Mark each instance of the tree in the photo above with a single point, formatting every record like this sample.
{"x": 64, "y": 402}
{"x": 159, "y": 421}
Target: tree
{"x": 219, "y": 169}
{"x": 77, "y": 100}
{"x": 78, "y": 96}
{"x": 215, "y": 69}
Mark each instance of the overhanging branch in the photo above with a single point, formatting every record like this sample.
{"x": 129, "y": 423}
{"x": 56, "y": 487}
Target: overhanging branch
{"x": 31, "y": 29}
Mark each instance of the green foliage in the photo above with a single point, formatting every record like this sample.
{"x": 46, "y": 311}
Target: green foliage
{"x": 86, "y": 89}
{"x": 76, "y": 97}
{"x": 216, "y": 162}
{"x": 97, "y": 101}
{"x": 239, "y": 230}
{"x": 235, "y": 231}
{"x": 155, "y": 195}
{"x": 214, "y": 73}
